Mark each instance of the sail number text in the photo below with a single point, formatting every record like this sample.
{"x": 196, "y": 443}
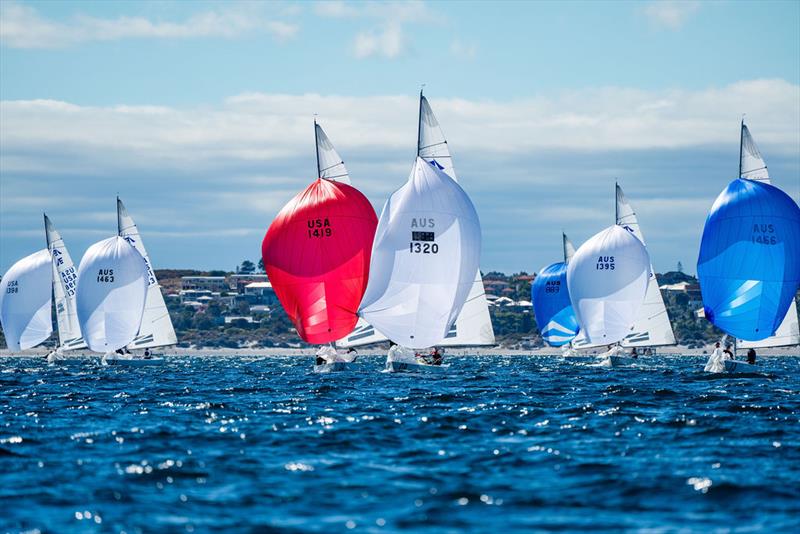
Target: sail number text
{"x": 319, "y": 228}
{"x": 764, "y": 234}
{"x": 13, "y": 287}
{"x": 105, "y": 275}
{"x": 605, "y": 263}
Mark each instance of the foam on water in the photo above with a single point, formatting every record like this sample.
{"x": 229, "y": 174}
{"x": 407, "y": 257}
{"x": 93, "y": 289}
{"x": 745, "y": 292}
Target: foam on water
{"x": 499, "y": 444}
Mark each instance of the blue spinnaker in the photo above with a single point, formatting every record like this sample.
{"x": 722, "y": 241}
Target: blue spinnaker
{"x": 552, "y": 306}
{"x": 749, "y": 264}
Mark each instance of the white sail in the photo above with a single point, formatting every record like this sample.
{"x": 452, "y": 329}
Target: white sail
{"x": 26, "y": 301}
{"x": 156, "y": 329}
{"x": 329, "y": 164}
{"x": 751, "y": 165}
{"x": 787, "y": 334}
{"x": 112, "y": 288}
{"x": 652, "y": 327}
{"x": 569, "y": 248}
{"x": 424, "y": 259}
{"x": 431, "y": 143}
{"x": 607, "y": 281}
{"x": 473, "y": 328}
{"x": 65, "y": 281}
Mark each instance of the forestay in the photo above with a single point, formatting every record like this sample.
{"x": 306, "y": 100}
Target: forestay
{"x": 607, "y": 281}
{"x": 65, "y": 281}
{"x": 424, "y": 259}
{"x": 749, "y": 262}
{"x": 156, "y": 329}
{"x": 26, "y": 301}
{"x": 652, "y": 327}
{"x": 111, "y": 293}
{"x": 329, "y": 164}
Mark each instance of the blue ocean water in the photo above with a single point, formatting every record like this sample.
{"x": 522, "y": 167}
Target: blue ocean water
{"x": 502, "y": 444}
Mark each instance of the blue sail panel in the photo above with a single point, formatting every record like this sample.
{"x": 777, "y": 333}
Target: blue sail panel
{"x": 552, "y": 306}
{"x": 749, "y": 264}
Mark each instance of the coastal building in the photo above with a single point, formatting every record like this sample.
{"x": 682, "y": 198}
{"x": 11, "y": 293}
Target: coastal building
{"x": 207, "y": 283}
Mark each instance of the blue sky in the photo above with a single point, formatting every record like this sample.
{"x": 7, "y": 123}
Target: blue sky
{"x": 199, "y": 115}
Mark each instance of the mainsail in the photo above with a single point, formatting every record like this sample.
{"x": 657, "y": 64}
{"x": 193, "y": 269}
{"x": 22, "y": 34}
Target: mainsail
{"x": 26, "y": 301}
{"x": 111, "y": 294}
{"x": 652, "y": 327}
{"x": 751, "y": 165}
{"x": 749, "y": 261}
{"x": 551, "y": 305}
{"x": 329, "y": 164}
{"x": 156, "y": 329}
{"x": 473, "y": 328}
{"x": 787, "y": 334}
{"x": 607, "y": 281}
{"x": 431, "y": 143}
{"x": 65, "y": 281}
{"x": 317, "y": 251}
{"x": 424, "y": 259}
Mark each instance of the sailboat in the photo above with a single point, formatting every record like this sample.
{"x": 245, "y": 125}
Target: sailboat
{"x": 652, "y": 327}
{"x": 156, "y": 329}
{"x": 473, "y": 327}
{"x": 425, "y": 256}
{"x": 26, "y": 301}
{"x": 317, "y": 254}
{"x": 749, "y": 261}
{"x": 65, "y": 279}
{"x": 111, "y": 294}
{"x": 607, "y": 281}
{"x": 551, "y": 304}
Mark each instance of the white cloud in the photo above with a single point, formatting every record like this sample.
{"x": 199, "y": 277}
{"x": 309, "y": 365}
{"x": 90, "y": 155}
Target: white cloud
{"x": 386, "y": 37}
{"x": 463, "y": 50}
{"x": 21, "y": 26}
{"x": 670, "y": 14}
{"x": 387, "y": 42}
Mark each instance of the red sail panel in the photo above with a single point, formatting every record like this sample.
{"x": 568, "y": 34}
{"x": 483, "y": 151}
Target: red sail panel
{"x": 316, "y": 254}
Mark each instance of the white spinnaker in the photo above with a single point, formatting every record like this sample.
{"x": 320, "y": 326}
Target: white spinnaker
{"x": 65, "y": 282}
{"x": 472, "y": 328}
{"x": 431, "y": 143}
{"x": 751, "y": 165}
{"x": 112, "y": 288}
{"x": 569, "y": 248}
{"x": 787, "y": 334}
{"x": 329, "y": 164}
{"x": 607, "y": 281}
{"x": 652, "y": 327}
{"x": 156, "y": 329}
{"x": 424, "y": 259}
{"x": 26, "y": 301}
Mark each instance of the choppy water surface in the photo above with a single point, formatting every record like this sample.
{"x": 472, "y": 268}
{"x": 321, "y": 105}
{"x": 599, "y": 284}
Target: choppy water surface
{"x": 503, "y": 443}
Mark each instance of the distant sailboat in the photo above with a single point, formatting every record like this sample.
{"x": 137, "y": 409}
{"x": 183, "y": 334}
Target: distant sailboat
{"x": 156, "y": 329}
{"x": 65, "y": 280}
{"x": 317, "y": 252}
{"x": 749, "y": 264}
{"x": 551, "y": 304}
{"x": 749, "y": 261}
{"x": 607, "y": 281}
{"x": 652, "y": 327}
{"x": 111, "y": 294}
{"x": 26, "y": 301}
{"x": 473, "y": 328}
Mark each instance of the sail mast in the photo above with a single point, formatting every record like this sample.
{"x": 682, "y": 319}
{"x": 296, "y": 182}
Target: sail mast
{"x": 419, "y": 120}
{"x": 564, "y": 244}
{"x": 741, "y": 141}
{"x": 119, "y": 222}
{"x": 316, "y": 148}
{"x": 616, "y": 204}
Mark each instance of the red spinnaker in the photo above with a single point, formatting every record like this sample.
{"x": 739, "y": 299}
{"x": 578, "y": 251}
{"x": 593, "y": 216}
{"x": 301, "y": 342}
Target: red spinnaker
{"x": 316, "y": 254}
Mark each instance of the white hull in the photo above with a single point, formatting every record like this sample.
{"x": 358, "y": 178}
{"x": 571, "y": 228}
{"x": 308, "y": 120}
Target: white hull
{"x": 622, "y": 361}
{"x": 737, "y": 366}
{"x": 331, "y": 367}
{"x": 409, "y": 367}
{"x": 134, "y": 362}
